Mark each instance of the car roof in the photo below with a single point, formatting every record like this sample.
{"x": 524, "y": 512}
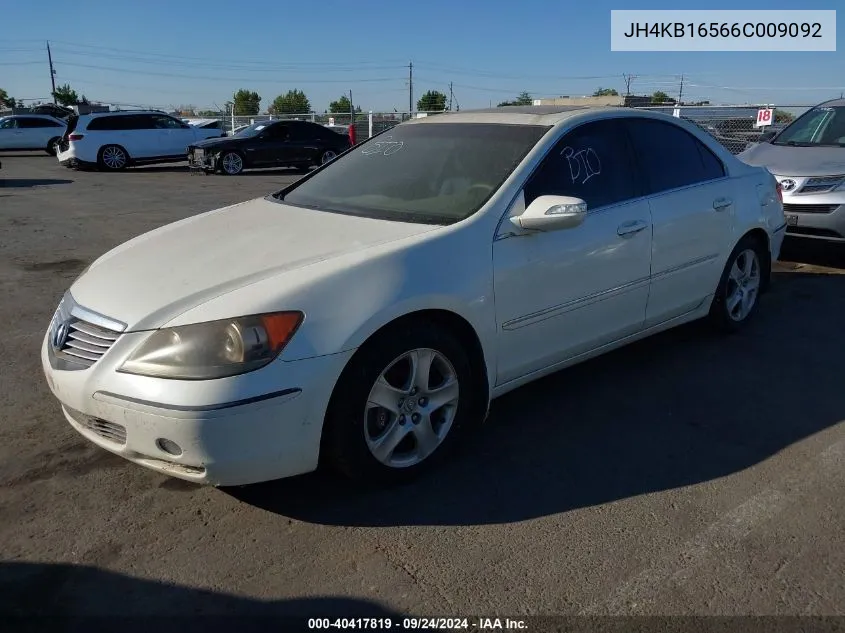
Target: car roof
{"x": 532, "y": 115}
{"x": 33, "y": 115}
{"x": 123, "y": 112}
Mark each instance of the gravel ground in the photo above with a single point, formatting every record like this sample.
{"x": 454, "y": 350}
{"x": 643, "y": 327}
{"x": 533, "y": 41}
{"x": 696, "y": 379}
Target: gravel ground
{"x": 689, "y": 474}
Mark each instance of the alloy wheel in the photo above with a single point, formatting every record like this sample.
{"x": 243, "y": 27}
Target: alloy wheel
{"x": 743, "y": 285}
{"x": 114, "y": 158}
{"x": 327, "y": 156}
{"x": 232, "y": 164}
{"x": 411, "y": 408}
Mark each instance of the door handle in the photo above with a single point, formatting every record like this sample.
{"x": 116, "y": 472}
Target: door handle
{"x": 631, "y": 228}
{"x": 722, "y": 203}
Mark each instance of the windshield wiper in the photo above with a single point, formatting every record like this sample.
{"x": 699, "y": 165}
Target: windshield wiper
{"x": 796, "y": 144}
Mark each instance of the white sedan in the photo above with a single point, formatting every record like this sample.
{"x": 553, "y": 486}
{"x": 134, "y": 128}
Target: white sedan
{"x": 367, "y": 314}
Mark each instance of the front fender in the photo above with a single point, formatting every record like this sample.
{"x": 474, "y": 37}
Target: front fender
{"x": 348, "y": 298}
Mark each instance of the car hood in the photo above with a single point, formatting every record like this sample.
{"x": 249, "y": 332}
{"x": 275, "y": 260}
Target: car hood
{"x": 155, "y": 277}
{"x": 784, "y": 160}
{"x": 214, "y": 141}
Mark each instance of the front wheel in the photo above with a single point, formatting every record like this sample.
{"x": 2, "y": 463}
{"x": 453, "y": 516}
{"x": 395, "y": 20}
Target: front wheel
{"x": 231, "y": 163}
{"x": 399, "y": 406}
{"x": 738, "y": 293}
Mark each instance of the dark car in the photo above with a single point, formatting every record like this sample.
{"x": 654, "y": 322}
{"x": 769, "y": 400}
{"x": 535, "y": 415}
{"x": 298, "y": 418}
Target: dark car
{"x": 299, "y": 144}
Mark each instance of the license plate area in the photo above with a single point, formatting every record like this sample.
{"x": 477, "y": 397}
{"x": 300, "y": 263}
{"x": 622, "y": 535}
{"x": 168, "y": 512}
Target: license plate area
{"x": 791, "y": 220}
{"x": 199, "y": 154}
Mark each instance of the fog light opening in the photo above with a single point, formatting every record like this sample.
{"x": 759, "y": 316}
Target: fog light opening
{"x": 169, "y": 446}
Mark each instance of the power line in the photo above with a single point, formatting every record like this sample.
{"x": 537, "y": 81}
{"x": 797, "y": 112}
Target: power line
{"x": 229, "y": 79}
{"x": 207, "y": 59}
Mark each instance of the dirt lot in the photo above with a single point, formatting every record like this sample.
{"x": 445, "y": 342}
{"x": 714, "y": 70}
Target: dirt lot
{"x": 687, "y": 474}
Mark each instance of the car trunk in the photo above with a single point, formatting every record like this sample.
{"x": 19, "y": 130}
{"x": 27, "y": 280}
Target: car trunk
{"x": 72, "y": 120}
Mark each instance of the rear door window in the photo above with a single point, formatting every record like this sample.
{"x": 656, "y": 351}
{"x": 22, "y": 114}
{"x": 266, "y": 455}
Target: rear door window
{"x": 670, "y": 156}
{"x": 8, "y": 124}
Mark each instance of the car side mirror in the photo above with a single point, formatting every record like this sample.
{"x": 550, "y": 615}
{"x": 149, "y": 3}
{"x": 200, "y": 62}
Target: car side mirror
{"x": 552, "y": 213}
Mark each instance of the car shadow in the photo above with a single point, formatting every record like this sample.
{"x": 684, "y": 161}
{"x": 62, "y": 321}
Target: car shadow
{"x": 813, "y": 252}
{"x": 678, "y": 409}
{"x": 59, "y": 596}
{"x": 22, "y": 183}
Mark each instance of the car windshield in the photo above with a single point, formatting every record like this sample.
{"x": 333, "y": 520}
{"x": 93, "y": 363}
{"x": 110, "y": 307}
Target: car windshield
{"x": 436, "y": 173}
{"x": 820, "y": 127}
{"x": 252, "y": 130}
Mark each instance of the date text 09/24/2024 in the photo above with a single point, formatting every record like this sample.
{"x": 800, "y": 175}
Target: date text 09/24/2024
{"x": 419, "y": 624}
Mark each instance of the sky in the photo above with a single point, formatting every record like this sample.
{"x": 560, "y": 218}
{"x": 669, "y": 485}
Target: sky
{"x": 170, "y": 54}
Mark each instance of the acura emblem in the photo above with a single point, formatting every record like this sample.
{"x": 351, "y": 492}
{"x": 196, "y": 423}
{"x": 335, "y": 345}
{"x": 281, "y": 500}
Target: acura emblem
{"x": 787, "y": 184}
{"x": 60, "y": 333}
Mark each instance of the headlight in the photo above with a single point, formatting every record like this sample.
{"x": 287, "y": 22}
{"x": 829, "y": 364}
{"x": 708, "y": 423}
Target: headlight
{"x": 214, "y": 349}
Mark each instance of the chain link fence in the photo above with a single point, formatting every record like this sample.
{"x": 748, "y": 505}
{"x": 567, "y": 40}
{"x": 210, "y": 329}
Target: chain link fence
{"x": 734, "y": 126}
{"x": 367, "y": 124}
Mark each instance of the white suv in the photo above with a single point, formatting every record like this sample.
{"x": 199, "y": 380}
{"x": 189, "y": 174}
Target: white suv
{"x": 31, "y": 131}
{"x": 115, "y": 140}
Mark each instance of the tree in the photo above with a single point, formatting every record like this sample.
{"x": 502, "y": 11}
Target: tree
{"x": 66, "y": 96}
{"x": 783, "y": 117}
{"x": 662, "y": 97}
{"x": 605, "y": 92}
{"x": 293, "y": 102}
{"x": 341, "y": 106}
{"x": 522, "y": 100}
{"x": 209, "y": 113}
{"x": 6, "y": 100}
{"x": 246, "y": 102}
{"x": 432, "y": 101}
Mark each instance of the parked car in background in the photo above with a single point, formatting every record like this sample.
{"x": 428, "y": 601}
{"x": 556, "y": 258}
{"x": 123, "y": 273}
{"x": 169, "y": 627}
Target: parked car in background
{"x": 115, "y": 140}
{"x": 31, "y": 132}
{"x": 367, "y": 314}
{"x": 808, "y": 159}
{"x": 208, "y": 124}
{"x": 298, "y": 144}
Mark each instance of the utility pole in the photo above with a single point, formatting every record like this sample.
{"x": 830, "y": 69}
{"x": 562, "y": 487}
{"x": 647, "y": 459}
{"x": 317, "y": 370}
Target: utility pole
{"x": 681, "y": 92}
{"x": 52, "y": 72}
{"x": 410, "y": 88}
{"x": 450, "y": 96}
{"x": 351, "y": 110}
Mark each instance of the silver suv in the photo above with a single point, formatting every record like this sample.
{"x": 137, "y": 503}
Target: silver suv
{"x": 808, "y": 160}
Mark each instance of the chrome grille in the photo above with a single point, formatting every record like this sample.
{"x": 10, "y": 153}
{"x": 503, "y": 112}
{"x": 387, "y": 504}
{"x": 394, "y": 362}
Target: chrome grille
{"x": 79, "y": 336}
{"x": 809, "y": 208}
{"x": 108, "y": 430}
{"x": 822, "y": 184}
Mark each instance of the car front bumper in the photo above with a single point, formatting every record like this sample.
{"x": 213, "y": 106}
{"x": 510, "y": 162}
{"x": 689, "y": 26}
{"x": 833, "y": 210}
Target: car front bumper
{"x": 223, "y": 432}
{"x": 819, "y": 216}
{"x": 202, "y": 160}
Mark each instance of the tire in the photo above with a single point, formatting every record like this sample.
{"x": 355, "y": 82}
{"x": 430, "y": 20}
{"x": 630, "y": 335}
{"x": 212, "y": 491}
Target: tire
{"x": 53, "y": 146}
{"x": 356, "y": 429}
{"x": 231, "y": 163}
{"x": 326, "y": 156}
{"x": 112, "y": 158}
{"x": 743, "y": 281}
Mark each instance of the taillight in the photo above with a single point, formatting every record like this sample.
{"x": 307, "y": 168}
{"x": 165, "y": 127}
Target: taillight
{"x": 780, "y": 192}
{"x": 75, "y": 137}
